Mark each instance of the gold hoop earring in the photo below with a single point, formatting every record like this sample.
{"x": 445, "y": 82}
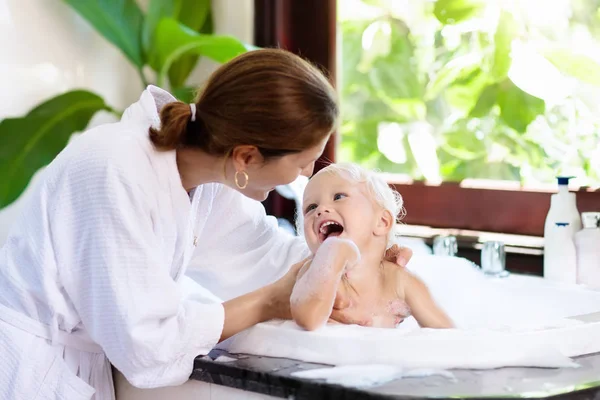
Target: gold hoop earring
{"x": 237, "y": 182}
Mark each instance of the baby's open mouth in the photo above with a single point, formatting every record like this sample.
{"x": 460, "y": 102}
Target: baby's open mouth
{"x": 330, "y": 229}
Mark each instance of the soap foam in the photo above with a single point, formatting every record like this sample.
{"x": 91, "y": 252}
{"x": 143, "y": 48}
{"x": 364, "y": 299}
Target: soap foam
{"x": 362, "y": 376}
{"x": 225, "y": 359}
{"x": 320, "y": 272}
{"x": 516, "y": 321}
{"x": 475, "y": 301}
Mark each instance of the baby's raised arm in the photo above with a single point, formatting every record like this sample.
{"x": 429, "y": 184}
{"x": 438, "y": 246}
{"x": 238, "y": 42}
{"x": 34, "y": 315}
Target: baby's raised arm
{"x": 316, "y": 286}
{"x": 425, "y": 310}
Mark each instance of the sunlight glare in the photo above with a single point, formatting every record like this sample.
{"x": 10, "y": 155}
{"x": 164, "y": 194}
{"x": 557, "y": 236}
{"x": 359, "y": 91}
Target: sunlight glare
{"x": 390, "y": 138}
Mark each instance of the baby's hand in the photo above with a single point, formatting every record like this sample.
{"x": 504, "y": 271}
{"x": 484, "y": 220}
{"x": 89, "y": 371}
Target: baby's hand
{"x": 344, "y": 248}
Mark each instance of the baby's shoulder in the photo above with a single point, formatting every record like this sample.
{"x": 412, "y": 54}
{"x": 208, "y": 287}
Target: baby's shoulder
{"x": 394, "y": 269}
{"x": 396, "y": 275}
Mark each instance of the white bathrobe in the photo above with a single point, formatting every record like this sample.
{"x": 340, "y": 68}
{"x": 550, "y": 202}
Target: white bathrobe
{"x": 93, "y": 270}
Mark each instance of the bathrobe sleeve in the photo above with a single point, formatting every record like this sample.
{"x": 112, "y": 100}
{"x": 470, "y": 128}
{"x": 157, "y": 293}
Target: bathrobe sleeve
{"x": 117, "y": 272}
{"x": 241, "y": 248}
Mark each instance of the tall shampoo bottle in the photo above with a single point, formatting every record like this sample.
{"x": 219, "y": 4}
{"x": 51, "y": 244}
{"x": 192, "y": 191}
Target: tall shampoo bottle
{"x": 562, "y": 223}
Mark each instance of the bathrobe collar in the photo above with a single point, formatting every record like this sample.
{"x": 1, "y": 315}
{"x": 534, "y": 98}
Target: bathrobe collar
{"x": 148, "y": 107}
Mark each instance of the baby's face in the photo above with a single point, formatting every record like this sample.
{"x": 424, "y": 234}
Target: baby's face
{"x": 333, "y": 206}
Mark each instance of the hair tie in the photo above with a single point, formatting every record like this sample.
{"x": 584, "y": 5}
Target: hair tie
{"x": 193, "y": 108}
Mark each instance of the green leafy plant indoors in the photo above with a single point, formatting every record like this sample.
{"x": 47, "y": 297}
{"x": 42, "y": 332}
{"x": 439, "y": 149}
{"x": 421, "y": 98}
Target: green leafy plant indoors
{"x": 169, "y": 38}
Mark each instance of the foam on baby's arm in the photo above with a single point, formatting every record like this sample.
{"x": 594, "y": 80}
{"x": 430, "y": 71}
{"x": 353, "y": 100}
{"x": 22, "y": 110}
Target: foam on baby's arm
{"x": 315, "y": 290}
{"x": 345, "y": 249}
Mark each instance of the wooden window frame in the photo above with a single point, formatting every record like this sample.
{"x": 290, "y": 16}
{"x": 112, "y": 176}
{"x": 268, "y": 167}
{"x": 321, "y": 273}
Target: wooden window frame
{"x": 511, "y": 211}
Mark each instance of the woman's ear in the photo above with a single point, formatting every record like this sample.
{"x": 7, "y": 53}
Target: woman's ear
{"x": 385, "y": 222}
{"x": 245, "y": 155}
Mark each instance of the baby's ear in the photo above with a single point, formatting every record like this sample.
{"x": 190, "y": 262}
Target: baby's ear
{"x": 385, "y": 222}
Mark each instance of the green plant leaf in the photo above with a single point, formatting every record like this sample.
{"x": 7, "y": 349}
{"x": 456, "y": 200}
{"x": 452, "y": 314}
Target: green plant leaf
{"x": 523, "y": 151}
{"x": 482, "y": 169}
{"x": 173, "y": 40}
{"x": 186, "y": 94}
{"x": 454, "y": 11}
{"x": 31, "y": 142}
{"x": 196, "y": 15}
{"x": 396, "y": 76}
{"x": 458, "y": 67}
{"x": 518, "y": 108}
{"x": 352, "y": 51}
{"x": 406, "y": 110}
{"x": 464, "y": 92}
{"x": 157, "y": 10}
{"x": 361, "y": 139}
{"x": 462, "y": 143}
{"x": 119, "y": 21}
{"x": 393, "y": 83}
{"x": 485, "y": 102}
{"x": 378, "y": 43}
{"x": 503, "y": 38}
{"x": 578, "y": 66}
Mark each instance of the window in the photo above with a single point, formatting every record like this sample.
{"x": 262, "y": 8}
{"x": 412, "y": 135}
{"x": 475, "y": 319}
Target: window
{"x": 456, "y": 90}
{"x": 431, "y": 85}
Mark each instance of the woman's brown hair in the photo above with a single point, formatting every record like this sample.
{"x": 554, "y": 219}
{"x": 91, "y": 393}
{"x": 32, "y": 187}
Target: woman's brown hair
{"x": 268, "y": 98}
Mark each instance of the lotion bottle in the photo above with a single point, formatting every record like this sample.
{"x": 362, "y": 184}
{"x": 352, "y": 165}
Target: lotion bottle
{"x": 562, "y": 223}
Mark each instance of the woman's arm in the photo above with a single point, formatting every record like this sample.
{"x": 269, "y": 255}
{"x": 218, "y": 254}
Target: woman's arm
{"x": 117, "y": 275}
{"x": 425, "y": 310}
{"x": 314, "y": 294}
{"x": 269, "y": 302}
{"x": 240, "y": 248}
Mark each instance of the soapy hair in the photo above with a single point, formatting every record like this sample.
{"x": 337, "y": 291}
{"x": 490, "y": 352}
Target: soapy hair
{"x": 379, "y": 190}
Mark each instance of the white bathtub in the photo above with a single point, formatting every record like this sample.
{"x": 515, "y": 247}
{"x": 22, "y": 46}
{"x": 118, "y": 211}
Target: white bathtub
{"x": 515, "y": 321}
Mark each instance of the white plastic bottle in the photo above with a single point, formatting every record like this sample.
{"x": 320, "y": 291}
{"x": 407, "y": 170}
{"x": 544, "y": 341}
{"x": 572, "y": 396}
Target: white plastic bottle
{"x": 562, "y": 223}
{"x": 587, "y": 242}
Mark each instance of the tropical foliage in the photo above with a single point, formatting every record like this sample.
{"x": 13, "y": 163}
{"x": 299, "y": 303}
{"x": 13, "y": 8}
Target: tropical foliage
{"x": 169, "y": 39}
{"x": 448, "y": 90}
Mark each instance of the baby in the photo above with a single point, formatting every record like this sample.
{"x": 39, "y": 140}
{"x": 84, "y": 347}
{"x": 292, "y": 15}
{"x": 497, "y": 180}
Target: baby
{"x": 349, "y": 218}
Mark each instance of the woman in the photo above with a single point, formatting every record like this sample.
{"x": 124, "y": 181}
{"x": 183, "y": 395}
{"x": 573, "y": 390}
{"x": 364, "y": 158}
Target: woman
{"x": 92, "y": 271}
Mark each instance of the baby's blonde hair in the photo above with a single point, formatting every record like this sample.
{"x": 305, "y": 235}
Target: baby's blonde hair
{"x": 381, "y": 192}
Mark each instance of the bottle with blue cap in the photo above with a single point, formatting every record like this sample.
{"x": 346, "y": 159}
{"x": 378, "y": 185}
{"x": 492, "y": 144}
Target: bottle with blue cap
{"x": 562, "y": 223}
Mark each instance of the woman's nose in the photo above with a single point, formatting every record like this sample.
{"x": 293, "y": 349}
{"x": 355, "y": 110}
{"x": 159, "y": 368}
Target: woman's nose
{"x": 308, "y": 170}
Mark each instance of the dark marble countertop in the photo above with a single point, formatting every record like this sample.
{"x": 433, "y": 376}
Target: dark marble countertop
{"x": 272, "y": 376}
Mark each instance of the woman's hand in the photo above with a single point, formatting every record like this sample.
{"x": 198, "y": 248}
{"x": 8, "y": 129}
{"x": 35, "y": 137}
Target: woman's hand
{"x": 269, "y": 302}
{"x": 398, "y": 255}
{"x": 278, "y": 306}
{"x": 274, "y": 299}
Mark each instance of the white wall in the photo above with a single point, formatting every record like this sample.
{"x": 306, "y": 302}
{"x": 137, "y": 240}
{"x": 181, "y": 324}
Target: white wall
{"x": 48, "y": 49}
